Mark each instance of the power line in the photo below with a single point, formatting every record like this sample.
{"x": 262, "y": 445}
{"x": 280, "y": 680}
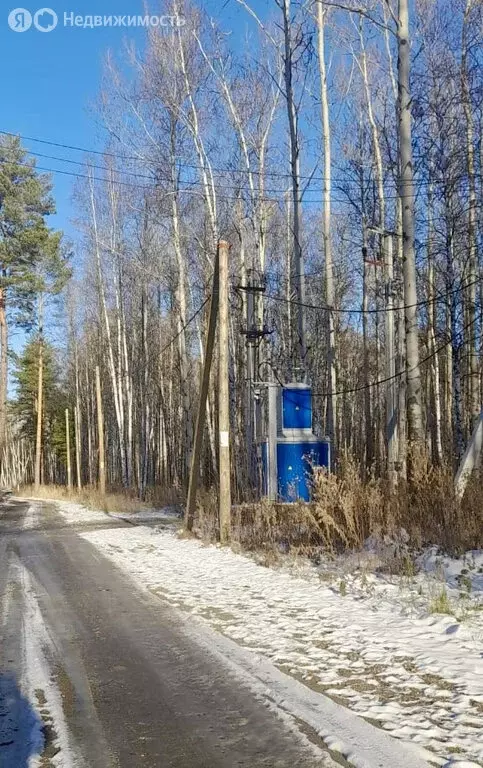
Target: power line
{"x": 156, "y": 177}
{"x": 199, "y": 192}
{"x": 214, "y": 169}
{"x": 401, "y": 373}
{"x": 374, "y": 311}
{"x": 185, "y": 326}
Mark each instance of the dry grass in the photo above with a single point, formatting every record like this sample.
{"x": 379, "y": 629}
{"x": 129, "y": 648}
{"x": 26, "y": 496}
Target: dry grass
{"x": 89, "y": 497}
{"x": 347, "y": 509}
{"x": 113, "y": 501}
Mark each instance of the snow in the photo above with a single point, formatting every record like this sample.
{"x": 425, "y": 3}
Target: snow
{"x": 38, "y": 677}
{"x": 149, "y": 515}
{"x": 373, "y": 645}
{"x": 342, "y": 731}
{"x": 33, "y": 701}
{"x": 457, "y": 572}
{"x": 32, "y": 518}
{"x": 77, "y": 514}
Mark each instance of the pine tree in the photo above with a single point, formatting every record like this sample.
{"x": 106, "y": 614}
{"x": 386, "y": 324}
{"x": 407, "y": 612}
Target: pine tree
{"x": 25, "y": 405}
{"x": 30, "y": 252}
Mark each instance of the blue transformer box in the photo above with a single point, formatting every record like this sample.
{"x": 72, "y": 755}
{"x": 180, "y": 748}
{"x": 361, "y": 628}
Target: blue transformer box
{"x": 290, "y": 449}
{"x": 296, "y": 408}
{"x": 295, "y": 462}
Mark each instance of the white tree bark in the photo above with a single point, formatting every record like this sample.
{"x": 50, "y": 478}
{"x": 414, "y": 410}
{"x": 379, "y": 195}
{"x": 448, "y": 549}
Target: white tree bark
{"x": 406, "y": 183}
{"x": 331, "y": 416}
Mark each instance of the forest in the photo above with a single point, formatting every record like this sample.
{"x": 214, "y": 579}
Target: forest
{"x": 337, "y": 147}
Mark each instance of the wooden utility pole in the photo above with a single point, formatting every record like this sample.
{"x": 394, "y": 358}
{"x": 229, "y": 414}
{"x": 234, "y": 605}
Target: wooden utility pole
{"x": 224, "y": 399}
{"x": 77, "y": 448}
{"x": 391, "y": 408}
{"x": 40, "y": 400}
{"x": 365, "y": 340}
{"x": 100, "y": 430}
{"x": 205, "y": 382}
{"x": 406, "y": 191}
{"x": 67, "y": 446}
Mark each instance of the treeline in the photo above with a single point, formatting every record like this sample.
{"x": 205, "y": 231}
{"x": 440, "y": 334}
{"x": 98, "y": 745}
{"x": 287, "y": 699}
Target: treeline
{"x": 297, "y": 147}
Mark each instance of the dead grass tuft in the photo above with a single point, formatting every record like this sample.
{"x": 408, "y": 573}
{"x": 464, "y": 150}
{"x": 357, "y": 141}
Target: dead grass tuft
{"x": 114, "y": 501}
{"x": 88, "y": 497}
{"x": 347, "y": 509}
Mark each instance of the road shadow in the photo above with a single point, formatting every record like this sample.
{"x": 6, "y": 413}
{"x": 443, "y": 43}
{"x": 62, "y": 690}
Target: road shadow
{"x": 21, "y": 729}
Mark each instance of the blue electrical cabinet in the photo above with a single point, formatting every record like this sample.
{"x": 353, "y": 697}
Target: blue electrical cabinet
{"x": 296, "y": 408}
{"x": 295, "y": 462}
{"x": 292, "y": 445}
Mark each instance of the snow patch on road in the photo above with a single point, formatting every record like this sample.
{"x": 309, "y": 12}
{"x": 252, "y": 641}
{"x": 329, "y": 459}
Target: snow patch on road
{"x": 32, "y": 706}
{"x": 39, "y": 682}
{"x": 32, "y": 517}
{"x": 418, "y": 675}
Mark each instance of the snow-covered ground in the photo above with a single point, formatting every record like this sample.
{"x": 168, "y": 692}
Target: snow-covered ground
{"x": 74, "y": 514}
{"x": 77, "y": 514}
{"x": 149, "y": 515}
{"x": 370, "y": 641}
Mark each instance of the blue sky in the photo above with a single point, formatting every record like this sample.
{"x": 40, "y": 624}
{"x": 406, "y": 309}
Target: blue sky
{"x": 51, "y": 80}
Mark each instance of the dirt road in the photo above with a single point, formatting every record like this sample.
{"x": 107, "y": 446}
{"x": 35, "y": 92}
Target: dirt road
{"x": 104, "y": 675}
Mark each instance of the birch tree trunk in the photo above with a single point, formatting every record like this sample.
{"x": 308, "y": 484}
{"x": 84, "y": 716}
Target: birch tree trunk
{"x": 114, "y": 373}
{"x": 472, "y": 364}
{"x": 331, "y": 417}
{"x": 437, "y": 440}
{"x": 297, "y": 274}
{"x": 414, "y": 394}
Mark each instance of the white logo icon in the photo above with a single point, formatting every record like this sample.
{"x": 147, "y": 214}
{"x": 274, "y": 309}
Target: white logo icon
{"x": 46, "y": 20}
{"x": 20, "y": 20}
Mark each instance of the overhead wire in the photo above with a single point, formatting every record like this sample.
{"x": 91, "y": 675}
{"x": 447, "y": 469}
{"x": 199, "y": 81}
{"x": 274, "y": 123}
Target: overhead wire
{"x": 373, "y": 311}
{"x": 214, "y": 169}
{"x": 184, "y": 190}
{"x": 400, "y": 374}
{"x": 185, "y": 326}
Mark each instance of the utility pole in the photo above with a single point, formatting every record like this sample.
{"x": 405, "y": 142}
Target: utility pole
{"x": 100, "y": 430}
{"x": 391, "y": 409}
{"x": 365, "y": 337}
{"x": 255, "y": 332}
{"x": 406, "y": 191}
{"x": 224, "y": 399}
{"x": 205, "y": 382}
{"x": 67, "y": 446}
{"x": 252, "y": 370}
